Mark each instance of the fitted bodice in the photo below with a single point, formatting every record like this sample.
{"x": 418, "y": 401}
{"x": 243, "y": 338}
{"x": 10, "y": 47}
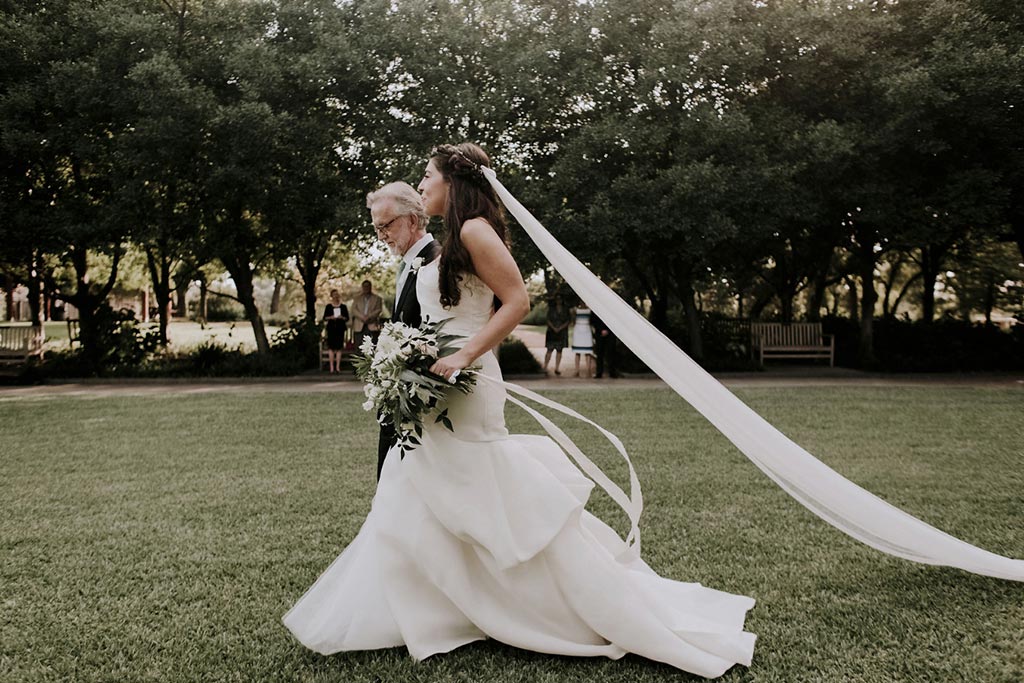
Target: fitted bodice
{"x": 476, "y": 303}
{"x": 480, "y": 415}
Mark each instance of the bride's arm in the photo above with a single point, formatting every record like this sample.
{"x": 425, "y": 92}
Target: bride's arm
{"x": 493, "y": 264}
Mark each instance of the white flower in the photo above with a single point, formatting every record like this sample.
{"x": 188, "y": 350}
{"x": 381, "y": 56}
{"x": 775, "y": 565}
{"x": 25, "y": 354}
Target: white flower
{"x": 416, "y": 264}
{"x": 368, "y": 405}
{"x": 386, "y": 348}
{"x": 367, "y": 346}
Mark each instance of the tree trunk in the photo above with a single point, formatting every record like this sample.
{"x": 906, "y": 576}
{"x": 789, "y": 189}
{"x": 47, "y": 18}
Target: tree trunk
{"x": 760, "y": 302}
{"x": 990, "y": 300}
{"x": 203, "y": 298}
{"x": 929, "y": 275}
{"x": 659, "y": 311}
{"x": 852, "y": 299}
{"x": 1018, "y": 234}
{"x": 692, "y": 320}
{"x": 903, "y": 293}
{"x": 160, "y": 274}
{"x": 890, "y": 282}
{"x": 88, "y": 301}
{"x": 866, "y": 346}
{"x": 181, "y": 282}
{"x": 35, "y": 290}
{"x": 308, "y": 262}
{"x": 786, "y": 305}
{"x": 659, "y": 303}
{"x": 275, "y": 300}
{"x": 816, "y": 298}
{"x": 8, "y": 296}
{"x": 241, "y": 273}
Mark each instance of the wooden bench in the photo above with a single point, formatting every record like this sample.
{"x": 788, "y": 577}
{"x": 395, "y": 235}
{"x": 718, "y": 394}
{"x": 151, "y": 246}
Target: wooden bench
{"x": 792, "y": 340}
{"x": 19, "y": 343}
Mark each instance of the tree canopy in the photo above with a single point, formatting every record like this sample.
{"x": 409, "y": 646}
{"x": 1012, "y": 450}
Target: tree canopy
{"x": 752, "y": 158}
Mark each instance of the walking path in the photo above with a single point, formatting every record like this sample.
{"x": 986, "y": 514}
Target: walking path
{"x": 318, "y": 383}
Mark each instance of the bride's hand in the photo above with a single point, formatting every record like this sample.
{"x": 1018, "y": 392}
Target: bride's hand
{"x": 449, "y": 365}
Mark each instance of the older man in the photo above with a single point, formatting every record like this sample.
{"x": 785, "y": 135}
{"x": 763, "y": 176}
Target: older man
{"x": 401, "y": 222}
{"x": 366, "y": 312}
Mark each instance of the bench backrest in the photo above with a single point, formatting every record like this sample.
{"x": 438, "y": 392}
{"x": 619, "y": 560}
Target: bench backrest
{"x": 787, "y": 334}
{"x": 20, "y": 338}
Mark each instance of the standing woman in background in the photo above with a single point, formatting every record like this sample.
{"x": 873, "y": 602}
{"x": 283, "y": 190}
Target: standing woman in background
{"x": 583, "y": 340}
{"x": 556, "y": 337}
{"x": 335, "y": 317}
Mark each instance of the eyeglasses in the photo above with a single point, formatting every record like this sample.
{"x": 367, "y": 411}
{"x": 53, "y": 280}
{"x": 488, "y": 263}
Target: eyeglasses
{"x": 384, "y": 229}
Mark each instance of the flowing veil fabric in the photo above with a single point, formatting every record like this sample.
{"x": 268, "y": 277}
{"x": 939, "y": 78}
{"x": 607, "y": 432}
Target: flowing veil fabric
{"x": 819, "y": 488}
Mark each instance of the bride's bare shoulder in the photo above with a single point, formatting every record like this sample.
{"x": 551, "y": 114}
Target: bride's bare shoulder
{"x": 478, "y": 233}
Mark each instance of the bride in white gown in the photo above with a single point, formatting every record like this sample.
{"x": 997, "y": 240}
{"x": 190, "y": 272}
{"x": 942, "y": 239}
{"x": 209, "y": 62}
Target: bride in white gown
{"x": 477, "y": 533}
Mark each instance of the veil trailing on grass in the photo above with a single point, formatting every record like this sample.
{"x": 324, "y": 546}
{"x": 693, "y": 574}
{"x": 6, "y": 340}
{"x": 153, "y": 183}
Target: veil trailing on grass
{"x": 819, "y": 488}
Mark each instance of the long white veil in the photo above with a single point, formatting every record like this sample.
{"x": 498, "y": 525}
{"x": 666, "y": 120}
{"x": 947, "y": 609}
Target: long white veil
{"x": 819, "y": 488}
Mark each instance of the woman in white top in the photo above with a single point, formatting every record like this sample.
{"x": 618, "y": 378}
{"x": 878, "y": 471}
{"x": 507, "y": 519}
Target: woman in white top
{"x": 583, "y": 340}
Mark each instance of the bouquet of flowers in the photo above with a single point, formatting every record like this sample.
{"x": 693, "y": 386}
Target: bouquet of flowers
{"x": 399, "y": 386}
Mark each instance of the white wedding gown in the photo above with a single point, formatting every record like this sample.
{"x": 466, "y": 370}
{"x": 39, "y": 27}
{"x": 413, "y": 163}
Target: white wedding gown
{"x": 480, "y": 534}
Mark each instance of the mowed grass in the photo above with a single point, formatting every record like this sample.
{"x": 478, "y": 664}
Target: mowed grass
{"x": 161, "y": 539}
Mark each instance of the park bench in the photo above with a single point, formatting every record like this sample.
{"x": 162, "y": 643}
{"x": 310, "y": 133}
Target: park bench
{"x": 19, "y": 343}
{"x": 792, "y": 340}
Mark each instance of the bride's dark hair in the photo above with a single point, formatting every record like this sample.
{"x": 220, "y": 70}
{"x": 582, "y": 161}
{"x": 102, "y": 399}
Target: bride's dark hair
{"x": 469, "y": 196}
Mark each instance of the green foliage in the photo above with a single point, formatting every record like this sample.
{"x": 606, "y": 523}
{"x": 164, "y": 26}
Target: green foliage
{"x": 759, "y": 152}
{"x": 946, "y": 345}
{"x": 223, "y": 309}
{"x": 298, "y": 340}
{"x": 515, "y": 358}
{"x": 119, "y": 344}
{"x": 538, "y": 314}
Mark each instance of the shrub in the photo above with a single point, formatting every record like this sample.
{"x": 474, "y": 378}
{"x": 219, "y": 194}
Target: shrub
{"x": 223, "y": 309}
{"x": 941, "y": 346}
{"x": 515, "y": 359}
{"x": 538, "y": 314}
{"x": 298, "y": 341}
{"x": 116, "y": 344}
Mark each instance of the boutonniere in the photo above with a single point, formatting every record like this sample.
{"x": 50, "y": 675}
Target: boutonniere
{"x": 415, "y": 265}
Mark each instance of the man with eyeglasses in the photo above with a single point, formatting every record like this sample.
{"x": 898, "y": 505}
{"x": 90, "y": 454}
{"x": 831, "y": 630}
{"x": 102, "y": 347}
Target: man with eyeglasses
{"x": 400, "y": 221}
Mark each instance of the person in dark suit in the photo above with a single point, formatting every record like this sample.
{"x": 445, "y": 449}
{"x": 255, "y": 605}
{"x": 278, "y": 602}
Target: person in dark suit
{"x": 604, "y": 347}
{"x": 400, "y": 221}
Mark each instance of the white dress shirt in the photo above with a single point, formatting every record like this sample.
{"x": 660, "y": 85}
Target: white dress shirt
{"x": 409, "y": 257}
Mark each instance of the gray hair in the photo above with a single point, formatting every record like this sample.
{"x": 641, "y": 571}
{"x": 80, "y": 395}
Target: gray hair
{"x": 406, "y": 199}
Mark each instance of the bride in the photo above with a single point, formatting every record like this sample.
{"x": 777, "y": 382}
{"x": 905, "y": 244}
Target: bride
{"x": 477, "y": 533}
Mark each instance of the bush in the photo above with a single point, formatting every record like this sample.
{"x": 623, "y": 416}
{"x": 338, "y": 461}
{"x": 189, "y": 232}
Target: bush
{"x": 115, "y": 344}
{"x": 538, "y": 315}
{"x": 942, "y": 346}
{"x": 515, "y": 359}
{"x": 947, "y": 345}
{"x": 298, "y": 340}
{"x": 212, "y": 359}
{"x": 223, "y": 310}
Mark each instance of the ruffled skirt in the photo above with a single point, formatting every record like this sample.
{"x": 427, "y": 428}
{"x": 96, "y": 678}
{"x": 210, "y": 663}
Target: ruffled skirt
{"x": 489, "y": 538}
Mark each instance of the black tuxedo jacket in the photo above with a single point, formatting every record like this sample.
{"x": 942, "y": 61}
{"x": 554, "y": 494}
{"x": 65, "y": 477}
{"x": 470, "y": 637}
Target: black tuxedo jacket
{"x": 407, "y": 310}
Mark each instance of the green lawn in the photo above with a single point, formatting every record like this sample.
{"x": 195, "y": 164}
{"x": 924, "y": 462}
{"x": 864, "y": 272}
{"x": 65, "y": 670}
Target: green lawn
{"x": 161, "y": 539}
{"x": 183, "y": 334}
